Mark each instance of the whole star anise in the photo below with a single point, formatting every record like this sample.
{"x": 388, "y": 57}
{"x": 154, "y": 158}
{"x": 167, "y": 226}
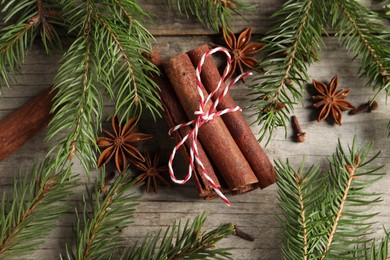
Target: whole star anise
{"x": 241, "y": 50}
{"x": 120, "y": 144}
{"x": 149, "y": 171}
{"x": 331, "y": 100}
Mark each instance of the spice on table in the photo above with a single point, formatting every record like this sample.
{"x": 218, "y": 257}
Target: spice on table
{"x": 331, "y": 100}
{"x": 21, "y": 125}
{"x": 174, "y": 114}
{"x": 235, "y": 122}
{"x": 366, "y": 107}
{"x": 120, "y": 143}
{"x": 214, "y": 136}
{"x": 299, "y": 135}
{"x": 238, "y": 232}
{"x": 150, "y": 171}
{"x": 241, "y": 50}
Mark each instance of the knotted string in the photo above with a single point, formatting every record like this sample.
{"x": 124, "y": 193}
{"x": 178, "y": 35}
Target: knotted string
{"x": 202, "y": 116}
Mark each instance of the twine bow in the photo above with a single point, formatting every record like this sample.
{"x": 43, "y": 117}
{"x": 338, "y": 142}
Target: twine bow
{"x": 202, "y": 116}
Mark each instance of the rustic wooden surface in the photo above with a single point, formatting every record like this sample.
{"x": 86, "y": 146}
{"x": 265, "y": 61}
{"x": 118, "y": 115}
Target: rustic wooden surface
{"x": 255, "y": 212}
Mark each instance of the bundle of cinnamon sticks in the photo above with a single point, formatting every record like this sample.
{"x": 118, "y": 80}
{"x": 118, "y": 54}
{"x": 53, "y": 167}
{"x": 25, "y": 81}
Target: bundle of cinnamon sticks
{"x": 228, "y": 149}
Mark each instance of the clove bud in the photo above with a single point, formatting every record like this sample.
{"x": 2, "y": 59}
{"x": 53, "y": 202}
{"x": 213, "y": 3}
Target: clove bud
{"x": 366, "y": 107}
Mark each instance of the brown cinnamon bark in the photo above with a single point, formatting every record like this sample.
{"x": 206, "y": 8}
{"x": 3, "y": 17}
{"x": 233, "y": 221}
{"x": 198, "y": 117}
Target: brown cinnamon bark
{"x": 21, "y": 125}
{"x": 235, "y": 122}
{"x": 174, "y": 115}
{"x": 214, "y": 136}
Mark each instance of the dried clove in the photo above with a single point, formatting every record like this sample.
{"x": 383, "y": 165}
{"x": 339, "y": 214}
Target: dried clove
{"x": 299, "y": 135}
{"x": 366, "y": 107}
{"x": 238, "y": 232}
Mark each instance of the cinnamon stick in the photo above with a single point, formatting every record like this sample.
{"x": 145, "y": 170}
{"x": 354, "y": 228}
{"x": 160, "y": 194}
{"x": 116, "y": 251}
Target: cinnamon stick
{"x": 214, "y": 135}
{"x": 235, "y": 122}
{"x": 21, "y": 125}
{"x": 174, "y": 115}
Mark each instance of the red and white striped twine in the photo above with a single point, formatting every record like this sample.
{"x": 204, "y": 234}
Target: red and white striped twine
{"x": 201, "y": 117}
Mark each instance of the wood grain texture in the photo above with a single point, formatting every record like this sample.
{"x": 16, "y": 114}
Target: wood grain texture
{"x": 254, "y": 212}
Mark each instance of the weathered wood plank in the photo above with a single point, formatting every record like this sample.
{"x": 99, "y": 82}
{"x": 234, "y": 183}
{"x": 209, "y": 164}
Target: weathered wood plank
{"x": 256, "y": 211}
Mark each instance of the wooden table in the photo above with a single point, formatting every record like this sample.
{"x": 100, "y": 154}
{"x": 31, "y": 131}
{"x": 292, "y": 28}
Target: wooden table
{"x": 255, "y": 212}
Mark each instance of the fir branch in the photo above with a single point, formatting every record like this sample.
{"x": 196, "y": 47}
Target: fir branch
{"x": 291, "y": 43}
{"x": 23, "y": 20}
{"x": 190, "y": 243}
{"x": 298, "y": 194}
{"x": 350, "y": 173}
{"x": 321, "y": 215}
{"x": 372, "y": 250}
{"x": 215, "y": 14}
{"x": 98, "y": 233}
{"x": 28, "y": 212}
{"x": 16, "y": 38}
{"x": 359, "y": 30}
{"x": 106, "y": 56}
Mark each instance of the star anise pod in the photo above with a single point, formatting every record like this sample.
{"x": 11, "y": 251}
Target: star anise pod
{"x": 149, "y": 171}
{"x": 331, "y": 100}
{"x": 227, "y": 3}
{"x": 241, "y": 50}
{"x": 120, "y": 144}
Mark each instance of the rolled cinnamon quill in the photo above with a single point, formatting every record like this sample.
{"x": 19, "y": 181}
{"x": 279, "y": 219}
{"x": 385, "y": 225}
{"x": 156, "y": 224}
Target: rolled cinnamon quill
{"x": 235, "y": 122}
{"x": 24, "y": 123}
{"x": 214, "y": 135}
{"x": 174, "y": 115}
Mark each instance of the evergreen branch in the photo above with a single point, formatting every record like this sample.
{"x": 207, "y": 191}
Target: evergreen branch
{"x": 106, "y": 56}
{"x": 129, "y": 83}
{"x": 98, "y": 233}
{"x": 215, "y": 14}
{"x": 320, "y": 214}
{"x": 347, "y": 194}
{"x": 190, "y": 243}
{"x": 78, "y": 103}
{"x": 17, "y": 37}
{"x": 28, "y": 212}
{"x": 298, "y": 182}
{"x": 359, "y": 30}
{"x": 23, "y": 19}
{"x": 351, "y": 171}
{"x": 298, "y": 196}
{"x": 290, "y": 44}
{"x": 372, "y": 250}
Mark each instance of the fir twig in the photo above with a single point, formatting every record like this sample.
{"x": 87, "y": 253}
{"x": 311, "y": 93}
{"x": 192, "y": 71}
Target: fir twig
{"x": 321, "y": 215}
{"x": 290, "y": 44}
{"x": 98, "y": 233}
{"x": 215, "y": 14}
{"x": 23, "y": 20}
{"x": 359, "y": 30}
{"x": 298, "y": 195}
{"x": 350, "y": 173}
{"x": 190, "y": 243}
{"x": 28, "y": 212}
{"x": 105, "y": 57}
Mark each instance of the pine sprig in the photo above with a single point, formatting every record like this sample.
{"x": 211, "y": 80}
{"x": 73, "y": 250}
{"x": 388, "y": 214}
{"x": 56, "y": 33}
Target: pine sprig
{"x": 28, "y": 212}
{"x": 97, "y": 234}
{"x": 374, "y": 251}
{"x": 106, "y": 56}
{"x": 299, "y": 194}
{"x": 323, "y": 215}
{"x": 215, "y": 14}
{"x": 349, "y": 175}
{"x": 359, "y": 30}
{"x": 291, "y": 44}
{"x": 189, "y": 243}
{"x": 24, "y": 20}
